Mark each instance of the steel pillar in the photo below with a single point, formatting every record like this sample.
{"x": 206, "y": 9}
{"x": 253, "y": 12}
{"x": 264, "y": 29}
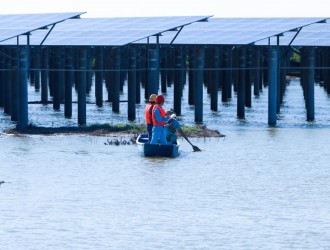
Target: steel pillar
{"x": 272, "y": 88}
{"x": 116, "y": 82}
{"x": 23, "y": 87}
{"x": 99, "y": 76}
{"x": 192, "y": 76}
{"x": 153, "y": 82}
{"x": 310, "y": 83}
{"x": 81, "y": 84}
{"x": 214, "y": 81}
{"x": 44, "y": 75}
{"x": 69, "y": 76}
{"x": 178, "y": 80}
{"x": 199, "y": 85}
{"x": 241, "y": 84}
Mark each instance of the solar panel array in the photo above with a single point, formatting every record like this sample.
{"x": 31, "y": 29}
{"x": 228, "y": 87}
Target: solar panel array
{"x": 126, "y": 30}
{"x": 239, "y": 31}
{"x": 317, "y": 34}
{"x": 109, "y": 31}
{"x": 15, "y": 25}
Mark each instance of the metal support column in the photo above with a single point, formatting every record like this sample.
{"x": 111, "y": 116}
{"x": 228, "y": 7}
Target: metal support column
{"x": 199, "y": 84}
{"x": 248, "y": 78}
{"x": 131, "y": 82}
{"x": 116, "y": 82}
{"x": 57, "y": 81}
{"x": 241, "y": 84}
{"x": 178, "y": 78}
{"x": 7, "y": 85}
{"x": 23, "y": 87}
{"x": 82, "y": 67}
{"x": 153, "y": 82}
{"x": 272, "y": 88}
{"x": 99, "y": 76}
{"x": 15, "y": 96}
{"x": 214, "y": 81}
{"x": 69, "y": 76}
{"x": 2, "y": 81}
{"x": 192, "y": 76}
{"x": 257, "y": 73}
{"x": 310, "y": 84}
{"x": 44, "y": 75}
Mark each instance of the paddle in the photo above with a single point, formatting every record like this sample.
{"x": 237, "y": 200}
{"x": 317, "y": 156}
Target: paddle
{"x": 184, "y": 135}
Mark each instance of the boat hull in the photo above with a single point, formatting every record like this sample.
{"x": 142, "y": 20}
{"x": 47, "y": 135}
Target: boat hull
{"x": 150, "y": 150}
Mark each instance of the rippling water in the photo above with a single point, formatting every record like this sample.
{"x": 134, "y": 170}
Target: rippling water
{"x": 257, "y": 188}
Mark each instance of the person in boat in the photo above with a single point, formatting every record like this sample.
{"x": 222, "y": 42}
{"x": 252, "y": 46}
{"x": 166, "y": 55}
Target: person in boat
{"x": 148, "y": 114}
{"x": 159, "y": 120}
{"x": 170, "y": 129}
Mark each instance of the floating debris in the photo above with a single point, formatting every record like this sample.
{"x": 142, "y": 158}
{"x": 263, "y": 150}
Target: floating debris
{"x": 2, "y": 182}
{"x": 121, "y": 141}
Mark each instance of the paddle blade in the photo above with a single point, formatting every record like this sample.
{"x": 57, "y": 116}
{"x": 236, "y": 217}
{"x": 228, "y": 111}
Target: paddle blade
{"x": 196, "y": 149}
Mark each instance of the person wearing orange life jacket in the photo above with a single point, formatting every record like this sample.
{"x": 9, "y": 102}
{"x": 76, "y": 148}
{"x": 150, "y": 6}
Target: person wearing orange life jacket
{"x": 148, "y": 114}
{"x": 159, "y": 120}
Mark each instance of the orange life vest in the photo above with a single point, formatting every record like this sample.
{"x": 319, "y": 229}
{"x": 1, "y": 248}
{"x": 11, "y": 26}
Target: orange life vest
{"x": 148, "y": 112}
{"x": 162, "y": 113}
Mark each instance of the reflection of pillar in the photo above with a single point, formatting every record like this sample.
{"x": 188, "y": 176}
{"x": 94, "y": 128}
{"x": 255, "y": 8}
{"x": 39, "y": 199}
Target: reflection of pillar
{"x": 23, "y": 87}
{"x": 99, "y": 77}
{"x": 199, "y": 85}
{"x": 131, "y": 82}
{"x": 310, "y": 83}
{"x": 82, "y": 66}
{"x": 241, "y": 84}
{"x": 272, "y": 88}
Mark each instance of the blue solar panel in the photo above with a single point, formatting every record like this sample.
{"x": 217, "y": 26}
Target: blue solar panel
{"x": 217, "y": 31}
{"x": 317, "y": 34}
{"x": 109, "y": 31}
{"x": 237, "y": 31}
{"x": 20, "y": 24}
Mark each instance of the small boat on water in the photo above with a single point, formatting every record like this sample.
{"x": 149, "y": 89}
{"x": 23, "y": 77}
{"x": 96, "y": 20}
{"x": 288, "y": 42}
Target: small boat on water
{"x": 147, "y": 149}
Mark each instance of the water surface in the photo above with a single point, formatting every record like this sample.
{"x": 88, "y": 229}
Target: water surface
{"x": 257, "y": 188}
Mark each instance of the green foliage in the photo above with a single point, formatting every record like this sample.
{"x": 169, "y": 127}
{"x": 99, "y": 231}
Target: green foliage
{"x": 193, "y": 129}
{"x": 296, "y": 56}
{"x": 130, "y": 127}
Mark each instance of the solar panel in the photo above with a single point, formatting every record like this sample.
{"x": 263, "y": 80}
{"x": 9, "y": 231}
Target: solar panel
{"x": 237, "y": 31}
{"x": 317, "y": 34}
{"x": 19, "y": 24}
{"x": 124, "y": 30}
{"x": 109, "y": 31}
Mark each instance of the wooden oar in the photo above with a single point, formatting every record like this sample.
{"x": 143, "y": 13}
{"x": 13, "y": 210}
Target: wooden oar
{"x": 195, "y": 148}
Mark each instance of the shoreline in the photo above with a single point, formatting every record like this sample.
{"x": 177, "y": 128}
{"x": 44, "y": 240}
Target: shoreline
{"x": 197, "y": 131}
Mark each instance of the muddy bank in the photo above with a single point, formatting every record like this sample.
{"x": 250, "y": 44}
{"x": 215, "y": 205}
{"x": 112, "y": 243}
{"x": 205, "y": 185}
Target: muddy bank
{"x": 106, "y": 130}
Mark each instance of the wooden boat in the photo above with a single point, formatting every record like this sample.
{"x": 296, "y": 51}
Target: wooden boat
{"x": 147, "y": 149}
